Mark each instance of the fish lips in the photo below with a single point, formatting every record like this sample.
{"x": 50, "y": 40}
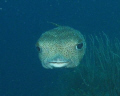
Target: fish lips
{"x": 58, "y": 63}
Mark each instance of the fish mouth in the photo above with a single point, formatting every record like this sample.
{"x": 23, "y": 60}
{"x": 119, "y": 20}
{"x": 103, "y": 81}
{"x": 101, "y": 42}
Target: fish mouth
{"x": 58, "y": 63}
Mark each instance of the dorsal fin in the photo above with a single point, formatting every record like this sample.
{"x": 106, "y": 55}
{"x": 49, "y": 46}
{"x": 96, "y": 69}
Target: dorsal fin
{"x": 54, "y": 24}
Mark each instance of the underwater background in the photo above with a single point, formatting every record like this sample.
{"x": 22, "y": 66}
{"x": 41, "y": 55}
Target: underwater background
{"x": 21, "y": 24}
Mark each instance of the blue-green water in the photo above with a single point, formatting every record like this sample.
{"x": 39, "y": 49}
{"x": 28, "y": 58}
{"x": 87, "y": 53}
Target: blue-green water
{"x": 21, "y": 24}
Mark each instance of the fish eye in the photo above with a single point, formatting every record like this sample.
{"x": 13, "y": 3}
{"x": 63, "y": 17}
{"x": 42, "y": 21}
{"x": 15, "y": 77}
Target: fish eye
{"x": 79, "y": 46}
{"x": 38, "y": 48}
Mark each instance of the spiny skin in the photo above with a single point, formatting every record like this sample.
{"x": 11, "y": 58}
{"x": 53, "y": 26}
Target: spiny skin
{"x": 58, "y": 48}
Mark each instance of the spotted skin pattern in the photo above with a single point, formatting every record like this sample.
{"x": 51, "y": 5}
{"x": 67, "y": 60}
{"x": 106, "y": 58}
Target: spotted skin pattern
{"x": 58, "y": 48}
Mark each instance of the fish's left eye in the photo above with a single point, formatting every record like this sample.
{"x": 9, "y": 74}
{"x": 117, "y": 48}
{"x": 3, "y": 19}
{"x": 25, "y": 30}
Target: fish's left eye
{"x": 79, "y": 46}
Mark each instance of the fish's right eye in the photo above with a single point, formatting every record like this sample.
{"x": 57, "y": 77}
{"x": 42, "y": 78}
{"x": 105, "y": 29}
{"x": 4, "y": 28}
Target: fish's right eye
{"x": 38, "y": 48}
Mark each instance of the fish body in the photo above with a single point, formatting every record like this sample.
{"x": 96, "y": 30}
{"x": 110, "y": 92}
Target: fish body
{"x": 61, "y": 47}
